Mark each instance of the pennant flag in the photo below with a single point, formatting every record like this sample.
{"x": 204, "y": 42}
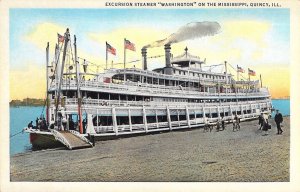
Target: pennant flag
{"x": 240, "y": 69}
{"x": 110, "y": 49}
{"x": 129, "y": 45}
{"x": 251, "y": 72}
{"x": 61, "y": 38}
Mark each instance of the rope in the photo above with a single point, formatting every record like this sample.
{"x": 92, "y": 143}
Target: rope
{"x": 16, "y": 134}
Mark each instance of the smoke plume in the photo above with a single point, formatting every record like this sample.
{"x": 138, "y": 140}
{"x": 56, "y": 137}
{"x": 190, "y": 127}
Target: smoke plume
{"x": 189, "y": 31}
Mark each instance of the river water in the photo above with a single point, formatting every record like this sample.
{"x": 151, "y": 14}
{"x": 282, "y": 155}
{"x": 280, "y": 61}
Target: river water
{"x": 21, "y": 116}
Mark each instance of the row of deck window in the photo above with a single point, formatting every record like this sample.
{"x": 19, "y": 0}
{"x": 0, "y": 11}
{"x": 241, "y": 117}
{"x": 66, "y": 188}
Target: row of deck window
{"x": 123, "y": 97}
{"x": 198, "y": 74}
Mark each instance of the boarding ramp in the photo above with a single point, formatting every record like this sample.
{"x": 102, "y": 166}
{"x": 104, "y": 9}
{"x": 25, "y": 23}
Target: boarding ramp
{"x": 71, "y": 139}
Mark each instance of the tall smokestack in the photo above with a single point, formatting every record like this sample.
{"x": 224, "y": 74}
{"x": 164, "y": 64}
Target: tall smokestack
{"x": 168, "y": 69}
{"x": 144, "y": 56}
{"x": 168, "y": 55}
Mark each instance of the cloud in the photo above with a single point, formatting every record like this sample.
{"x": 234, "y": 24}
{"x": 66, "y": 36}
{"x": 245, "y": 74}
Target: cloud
{"x": 43, "y": 33}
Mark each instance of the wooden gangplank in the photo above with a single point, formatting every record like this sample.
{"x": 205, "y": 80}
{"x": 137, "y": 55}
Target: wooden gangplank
{"x": 71, "y": 140}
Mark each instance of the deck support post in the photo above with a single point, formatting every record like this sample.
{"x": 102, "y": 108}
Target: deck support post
{"x": 204, "y": 115}
{"x": 210, "y": 116}
{"x": 129, "y": 118}
{"x": 156, "y": 119}
{"x": 230, "y": 108}
{"x": 219, "y": 116}
{"x": 97, "y": 124}
{"x": 169, "y": 118}
{"x": 187, "y": 116}
{"x": 251, "y": 108}
{"x": 114, "y": 118}
{"x": 195, "y": 116}
{"x": 145, "y": 119}
{"x": 178, "y": 118}
{"x": 242, "y": 111}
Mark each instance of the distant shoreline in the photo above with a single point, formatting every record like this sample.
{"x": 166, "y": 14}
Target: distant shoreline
{"x": 27, "y": 102}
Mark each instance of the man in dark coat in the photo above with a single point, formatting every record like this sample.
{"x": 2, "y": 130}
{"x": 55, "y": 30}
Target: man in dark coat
{"x": 278, "y": 119}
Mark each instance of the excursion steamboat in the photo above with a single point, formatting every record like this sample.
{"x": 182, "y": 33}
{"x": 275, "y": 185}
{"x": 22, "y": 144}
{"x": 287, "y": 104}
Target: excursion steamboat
{"x": 129, "y": 101}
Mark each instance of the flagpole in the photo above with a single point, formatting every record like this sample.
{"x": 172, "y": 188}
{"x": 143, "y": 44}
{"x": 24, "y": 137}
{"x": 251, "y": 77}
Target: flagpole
{"x": 106, "y": 53}
{"x": 260, "y": 81}
{"x": 124, "y": 53}
{"x": 237, "y": 71}
{"x": 79, "y": 99}
{"x": 47, "y": 83}
{"x": 249, "y": 79}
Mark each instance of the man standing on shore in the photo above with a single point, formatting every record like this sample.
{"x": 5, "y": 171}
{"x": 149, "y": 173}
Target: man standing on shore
{"x": 278, "y": 119}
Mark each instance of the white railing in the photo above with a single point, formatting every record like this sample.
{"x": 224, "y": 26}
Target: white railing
{"x": 156, "y": 89}
{"x": 58, "y": 136}
{"x": 76, "y": 133}
{"x": 102, "y": 102}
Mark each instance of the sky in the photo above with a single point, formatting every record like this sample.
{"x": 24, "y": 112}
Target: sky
{"x": 258, "y": 39}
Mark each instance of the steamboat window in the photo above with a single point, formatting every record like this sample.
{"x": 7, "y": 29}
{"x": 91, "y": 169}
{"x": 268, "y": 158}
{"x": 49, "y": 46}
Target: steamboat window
{"x": 214, "y": 115}
{"x": 199, "y": 115}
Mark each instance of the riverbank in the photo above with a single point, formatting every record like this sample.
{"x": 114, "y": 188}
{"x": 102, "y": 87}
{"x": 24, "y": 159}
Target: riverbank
{"x": 194, "y": 155}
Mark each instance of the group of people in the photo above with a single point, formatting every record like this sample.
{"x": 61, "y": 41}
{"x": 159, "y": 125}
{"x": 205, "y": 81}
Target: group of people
{"x": 263, "y": 121}
{"x": 40, "y": 123}
{"x": 220, "y": 125}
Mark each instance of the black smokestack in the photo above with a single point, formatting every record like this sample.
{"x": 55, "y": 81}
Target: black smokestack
{"x": 168, "y": 55}
{"x": 189, "y": 31}
{"x": 144, "y": 56}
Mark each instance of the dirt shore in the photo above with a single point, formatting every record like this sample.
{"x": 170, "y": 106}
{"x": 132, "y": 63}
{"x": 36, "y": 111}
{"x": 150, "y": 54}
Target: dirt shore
{"x": 193, "y": 155}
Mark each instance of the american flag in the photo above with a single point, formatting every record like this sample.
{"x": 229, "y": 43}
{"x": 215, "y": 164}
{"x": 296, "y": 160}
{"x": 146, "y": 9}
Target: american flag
{"x": 251, "y": 72}
{"x": 240, "y": 69}
{"x": 129, "y": 45}
{"x": 110, "y": 49}
{"x": 60, "y": 38}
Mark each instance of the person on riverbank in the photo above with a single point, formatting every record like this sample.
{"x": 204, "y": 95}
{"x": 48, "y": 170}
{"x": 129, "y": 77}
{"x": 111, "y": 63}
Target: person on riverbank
{"x": 223, "y": 123}
{"x": 237, "y": 122}
{"x": 278, "y": 120}
{"x": 260, "y": 121}
{"x": 266, "y": 125}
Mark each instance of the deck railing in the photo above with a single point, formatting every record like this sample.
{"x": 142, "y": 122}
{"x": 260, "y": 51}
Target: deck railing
{"x": 122, "y": 103}
{"x": 157, "y": 89}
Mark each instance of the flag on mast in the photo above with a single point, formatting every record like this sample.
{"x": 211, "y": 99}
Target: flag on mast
{"x": 240, "y": 69}
{"x": 110, "y": 49}
{"x": 251, "y": 72}
{"x": 61, "y": 38}
{"x": 129, "y": 45}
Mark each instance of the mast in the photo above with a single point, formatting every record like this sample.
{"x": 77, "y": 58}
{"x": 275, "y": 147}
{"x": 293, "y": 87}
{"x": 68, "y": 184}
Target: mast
{"x": 226, "y": 76}
{"x": 66, "y": 41}
{"x": 124, "y": 53}
{"x": 78, "y": 88}
{"x": 106, "y": 55}
{"x": 47, "y": 82}
{"x": 260, "y": 81}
